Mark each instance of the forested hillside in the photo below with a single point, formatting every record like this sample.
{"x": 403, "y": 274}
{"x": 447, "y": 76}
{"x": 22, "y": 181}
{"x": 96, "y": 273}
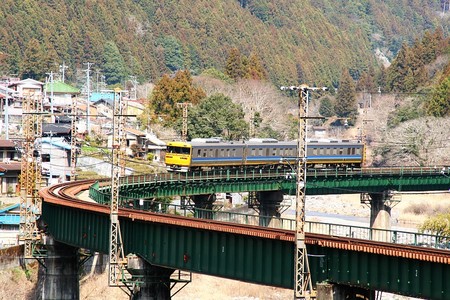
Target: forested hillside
{"x": 297, "y": 40}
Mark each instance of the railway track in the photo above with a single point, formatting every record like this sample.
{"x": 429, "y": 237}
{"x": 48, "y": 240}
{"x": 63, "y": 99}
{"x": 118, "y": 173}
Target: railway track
{"x": 65, "y": 194}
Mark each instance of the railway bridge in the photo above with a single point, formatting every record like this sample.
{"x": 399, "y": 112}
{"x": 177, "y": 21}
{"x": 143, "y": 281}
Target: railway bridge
{"x": 246, "y": 252}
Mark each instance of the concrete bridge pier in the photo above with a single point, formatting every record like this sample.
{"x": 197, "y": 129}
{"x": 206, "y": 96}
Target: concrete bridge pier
{"x": 203, "y": 202}
{"x": 329, "y": 291}
{"x": 269, "y": 204}
{"x": 154, "y": 281}
{"x": 380, "y": 213}
{"x": 58, "y": 273}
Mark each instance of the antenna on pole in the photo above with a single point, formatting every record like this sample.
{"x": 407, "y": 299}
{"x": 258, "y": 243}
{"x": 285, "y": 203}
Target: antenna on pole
{"x": 302, "y": 275}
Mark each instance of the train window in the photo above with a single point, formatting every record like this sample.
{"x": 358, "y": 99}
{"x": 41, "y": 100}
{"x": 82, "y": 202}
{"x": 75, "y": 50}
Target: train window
{"x": 204, "y": 153}
{"x": 358, "y": 150}
{"x": 217, "y": 152}
{"x": 199, "y": 152}
{"x": 221, "y": 152}
{"x": 328, "y": 151}
{"x": 228, "y": 152}
{"x": 349, "y": 151}
{"x": 260, "y": 152}
{"x": 334, "y": 151}
{"x": 253, "y": 151}
{"x": 234, "y": 152}
{"x": 353, "y": 151}
{"x": 321, "y": 151}
{"x": 341, "y": 151}
{"x": 314, "y": 151}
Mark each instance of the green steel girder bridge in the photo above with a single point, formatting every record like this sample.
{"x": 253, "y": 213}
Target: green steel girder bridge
{"x": 319, "y": 182}
{"x": 251, "y": 253}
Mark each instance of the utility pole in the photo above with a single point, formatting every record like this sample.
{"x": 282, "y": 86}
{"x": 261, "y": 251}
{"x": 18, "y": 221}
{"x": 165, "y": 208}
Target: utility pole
{"x": 302, "y": 275}
{"x": 185, "y": 106}
{"x": 134, "y": 82}
{"x": 88, "y": 102}
{"x": 51, "y": 82}
{"x": 73, "y": 140}
{"x": 62, "y": 69}
{"x": 252, "y": 124}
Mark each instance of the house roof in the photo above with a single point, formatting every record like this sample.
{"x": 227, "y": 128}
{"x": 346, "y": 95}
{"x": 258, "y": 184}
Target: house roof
{"x": 10, "y": 166}
{"x": 135, "y": 131}
{"x": 27, "y": 82}
{"x": 8, "y": 208}
{"x": 56, "y": 128}
{"x": 7, "y": 144}
{"x": 57, "y": 142}
{"x": 10, "y": 219}
{"x": 61, "y": 88}
{"x": 97, "y": 96}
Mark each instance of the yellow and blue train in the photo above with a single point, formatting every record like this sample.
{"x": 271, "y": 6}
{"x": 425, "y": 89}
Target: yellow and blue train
{"x": 213, "y": 153}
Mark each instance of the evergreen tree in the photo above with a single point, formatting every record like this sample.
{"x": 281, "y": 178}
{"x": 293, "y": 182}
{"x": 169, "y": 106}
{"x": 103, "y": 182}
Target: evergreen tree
{"x": 439, "y": 104}
{"x": 254, "y": 68}
{"x": 398, "y": 70}
{"x": 234, "y": 66}
{"x": 32, "y": 62}
{"x": 326, "y": 108}
{"x": 217, "y": 115}
{"x": 345, "y": 106}
{"x": 113, "y": 64}
{"x": 173, "y": 53}
{"x": 168, "y": 92}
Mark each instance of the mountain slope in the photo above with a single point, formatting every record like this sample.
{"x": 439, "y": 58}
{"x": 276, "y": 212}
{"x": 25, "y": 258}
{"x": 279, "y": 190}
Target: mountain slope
{"x": 308, "y": 41}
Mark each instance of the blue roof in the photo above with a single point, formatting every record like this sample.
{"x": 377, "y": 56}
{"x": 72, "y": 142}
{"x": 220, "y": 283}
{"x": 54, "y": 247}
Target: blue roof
{"x": 57, "y": 143}
{"x": 10, "y": 220}
{"x": 96, "y": 96}
{"x": 8, "y": 208}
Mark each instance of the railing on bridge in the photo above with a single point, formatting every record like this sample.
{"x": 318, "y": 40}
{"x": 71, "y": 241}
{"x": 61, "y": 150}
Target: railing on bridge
{"x": 359, "y": 232}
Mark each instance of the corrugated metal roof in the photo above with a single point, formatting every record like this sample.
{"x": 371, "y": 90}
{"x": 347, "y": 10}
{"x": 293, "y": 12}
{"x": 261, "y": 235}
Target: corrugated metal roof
{"x": 10, "y": 220}
{"x": 8, "y": 208}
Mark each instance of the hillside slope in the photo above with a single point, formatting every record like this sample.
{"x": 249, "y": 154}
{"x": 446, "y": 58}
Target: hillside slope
{"x": 309, "y": 41}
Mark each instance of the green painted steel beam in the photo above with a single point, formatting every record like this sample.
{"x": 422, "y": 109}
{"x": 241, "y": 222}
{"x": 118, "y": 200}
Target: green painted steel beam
{"x": 249, "y": 259}
{"x": 170, "y": 185}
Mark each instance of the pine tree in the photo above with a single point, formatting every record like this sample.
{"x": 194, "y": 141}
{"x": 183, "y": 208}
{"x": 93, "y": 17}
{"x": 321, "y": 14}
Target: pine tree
{"x": 439, "y": 105}
{"x": 254, "y": 68}
{"x": 345, "y": 106}
{"x": 32, "y": 62}
{"x": 398, "y": 70}
{"x": 168, "y": 92}
{"x": 113, "y": 64}
{"x": 234, "y": 66}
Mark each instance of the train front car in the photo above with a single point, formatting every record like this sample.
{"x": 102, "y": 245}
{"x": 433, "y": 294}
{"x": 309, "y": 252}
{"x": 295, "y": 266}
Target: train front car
{"x": 178, "y": 156}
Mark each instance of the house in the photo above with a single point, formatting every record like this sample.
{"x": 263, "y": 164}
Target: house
{"x": 155, "y": 146}
{"x": 140, "y": 143}
{"x": 135, "y": 142}
{"x": 56, "y": 159}
{"x": 62, "y": 130}
{"x": 62, "y": 94}
{"x": 9, "y": 225}
{"x": 28, "y": 87}
{"x": 10, "y": 167}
